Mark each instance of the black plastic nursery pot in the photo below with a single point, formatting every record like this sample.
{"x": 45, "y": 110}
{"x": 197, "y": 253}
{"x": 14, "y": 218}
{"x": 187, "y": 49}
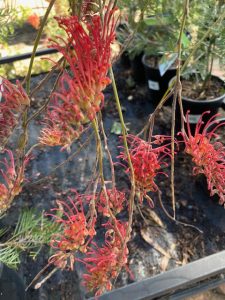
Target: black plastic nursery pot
{"x": 125, "y": 60}
{"x": 197, "y": 107}
{"x": 11, "y": 284}
{"x": 157, "y": 84}
{"x": 137, "y": 67}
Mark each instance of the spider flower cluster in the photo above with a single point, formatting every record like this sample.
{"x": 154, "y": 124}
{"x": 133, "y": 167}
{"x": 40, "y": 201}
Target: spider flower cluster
{"x": 13, "y": 100}
{"x": 11, "y": 180}
{"x": 147, "y": 160}
{"x": 112, "y": 199}
{"x": 207, "y": 155}
{"x": 76, "y": 232}
{"x": 79, "y": 96}
{"x": 103, "y": 264}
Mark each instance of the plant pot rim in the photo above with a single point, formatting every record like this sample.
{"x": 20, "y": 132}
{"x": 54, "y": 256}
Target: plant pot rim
{"x": 220, "y": 98}
{"x": 144, "y": 56}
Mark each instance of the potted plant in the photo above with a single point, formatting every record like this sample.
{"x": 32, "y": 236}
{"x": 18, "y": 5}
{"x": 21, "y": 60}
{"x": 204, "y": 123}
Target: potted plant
{"x": 201, "y": 89}
{"x": 153, "y": 35}
{"x": 131, "y": 34}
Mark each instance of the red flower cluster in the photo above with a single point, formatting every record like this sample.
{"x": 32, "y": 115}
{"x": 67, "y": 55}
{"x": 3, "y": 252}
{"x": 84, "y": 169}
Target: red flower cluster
{"x": 76, "y": 233}
{"x": 115, "y": 200}
{"x": 12, "y": 179}
{"x": 104, "y": 264}
{"x": 14, "y": 100}
{"x": 80, "y": 97}
{"x": 208, "y": 155}
{"x": 147, "y": 160}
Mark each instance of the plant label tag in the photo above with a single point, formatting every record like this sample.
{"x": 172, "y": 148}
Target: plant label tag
{"x": 166, "y": 62}
{"x": 193, "y": 119}
{"x": 153, "y": 85}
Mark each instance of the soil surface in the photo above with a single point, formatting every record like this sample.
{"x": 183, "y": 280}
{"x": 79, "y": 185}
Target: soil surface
{"x": 158, "y": 243}
{"x": 196, "y": 89}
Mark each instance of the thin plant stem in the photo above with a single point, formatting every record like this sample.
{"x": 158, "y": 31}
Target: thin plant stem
{"x": 23, "y": 138}
{"x": 132, "y": 177}
{"x": 100, "y": 154}
{"x": 39, "y": 284}
{"x": 63, "y": 163}
{"x": 43, "y": 107}
{"x": 46, "y": 78}
{"x": 109, "y": 155}
{"x": 177, "y": 95}
{"x": 37, "y": 276}
{"x": 171, "y": 217}
{"x": 36, "y": 43}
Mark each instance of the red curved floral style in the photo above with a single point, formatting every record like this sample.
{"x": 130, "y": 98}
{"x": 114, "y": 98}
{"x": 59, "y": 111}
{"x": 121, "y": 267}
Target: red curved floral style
{"x": 207, "y": 155}
{"x": 79, "y": 96}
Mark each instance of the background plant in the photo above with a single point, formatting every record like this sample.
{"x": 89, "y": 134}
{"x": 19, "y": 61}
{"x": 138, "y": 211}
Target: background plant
{"x": 74, "y": 106}
{"x": 207, "y": 31}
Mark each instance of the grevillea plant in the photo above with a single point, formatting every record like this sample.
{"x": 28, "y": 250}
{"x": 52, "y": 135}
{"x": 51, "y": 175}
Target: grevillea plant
{"x": 73, "y": 106}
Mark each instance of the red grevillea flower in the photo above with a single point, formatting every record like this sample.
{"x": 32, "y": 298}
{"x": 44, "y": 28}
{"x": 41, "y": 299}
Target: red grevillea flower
{"x": 104, "y": 263}
{"x": 115, "y": 200}
{"x": 12, "y": 103}
{"x": 208, "y": 155}
{"x": 147, "y": 160}
{"x": 12, "y": 180}
{"x": 76, "y": 232}
{"x": 79, "y": 96}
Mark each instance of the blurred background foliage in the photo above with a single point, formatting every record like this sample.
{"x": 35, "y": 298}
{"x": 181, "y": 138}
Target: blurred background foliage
{"x": 18, "y": 32}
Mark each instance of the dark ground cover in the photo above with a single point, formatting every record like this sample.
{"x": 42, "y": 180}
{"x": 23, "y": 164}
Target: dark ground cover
{"x": 158, "y": 243}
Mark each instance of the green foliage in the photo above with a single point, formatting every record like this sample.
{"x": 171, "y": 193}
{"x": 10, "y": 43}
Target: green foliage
{"x": 204, "y": 15}
{"x": 32, "y": 231}
{"x": 10, "y": 18}
{"x": 154, "y": 27}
